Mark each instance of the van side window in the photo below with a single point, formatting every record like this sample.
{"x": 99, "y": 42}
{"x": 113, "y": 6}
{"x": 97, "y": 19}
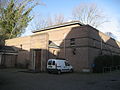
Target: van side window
{"x": 53, "y": 62}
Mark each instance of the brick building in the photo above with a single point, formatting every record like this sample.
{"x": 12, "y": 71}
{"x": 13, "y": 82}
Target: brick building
{"x": 74, "y": 41}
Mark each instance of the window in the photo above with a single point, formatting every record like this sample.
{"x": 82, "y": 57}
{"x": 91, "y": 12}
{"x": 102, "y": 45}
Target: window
{"x": 67, "y": 64}
{"x": 50, "y": 62}
{"x": 72, "y": 41}
{"x": 50, "y": 42}
{"x": 53, "y": 62}
{"x": 74, "y": 51}
{"x": 54, "y": 52}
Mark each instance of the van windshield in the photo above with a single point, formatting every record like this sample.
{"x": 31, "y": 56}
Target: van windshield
{"x": 49, "y": 62}
{"x": 53, "y": 62}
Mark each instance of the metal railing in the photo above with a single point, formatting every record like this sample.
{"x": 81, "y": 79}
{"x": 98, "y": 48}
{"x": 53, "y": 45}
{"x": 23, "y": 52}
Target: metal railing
{"x": 112, "y": 68}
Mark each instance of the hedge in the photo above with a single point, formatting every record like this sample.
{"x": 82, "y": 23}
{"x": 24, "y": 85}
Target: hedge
{"x": 105, "y": 61}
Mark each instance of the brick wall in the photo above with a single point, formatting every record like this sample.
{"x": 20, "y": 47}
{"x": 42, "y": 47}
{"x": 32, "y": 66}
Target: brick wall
{"x": 100, "y": 42}
{"x": 81, "y": 55}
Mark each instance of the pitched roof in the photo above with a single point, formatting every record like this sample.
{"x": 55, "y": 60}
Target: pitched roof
{"x": 59, "y": 25}
{"x": 7, "y": 49}
{"x": 52, "y": 45}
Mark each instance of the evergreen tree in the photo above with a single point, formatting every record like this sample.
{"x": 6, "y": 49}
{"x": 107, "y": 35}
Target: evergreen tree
{"x": 14, "y": 18}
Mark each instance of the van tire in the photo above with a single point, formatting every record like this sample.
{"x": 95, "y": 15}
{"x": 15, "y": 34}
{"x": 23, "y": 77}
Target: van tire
{"x": 71, "y": 70}
{"x": 59, "y": 71}
{"x": 49, "y": 72}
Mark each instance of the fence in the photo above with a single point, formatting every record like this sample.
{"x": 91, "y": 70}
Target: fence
{"x": 112, "y": 68}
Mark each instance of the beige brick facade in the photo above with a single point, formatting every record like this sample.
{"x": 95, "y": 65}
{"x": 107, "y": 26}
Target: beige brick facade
{"x": 78, "y": 43}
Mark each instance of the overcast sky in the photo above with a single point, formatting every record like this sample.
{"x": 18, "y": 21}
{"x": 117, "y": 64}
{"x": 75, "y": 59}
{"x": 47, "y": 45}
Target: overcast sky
{"x": 111, "y": 9}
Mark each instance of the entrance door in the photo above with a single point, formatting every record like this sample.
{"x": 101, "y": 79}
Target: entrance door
{"x": 38, "y": 60}
{"x": 35, "y": 59}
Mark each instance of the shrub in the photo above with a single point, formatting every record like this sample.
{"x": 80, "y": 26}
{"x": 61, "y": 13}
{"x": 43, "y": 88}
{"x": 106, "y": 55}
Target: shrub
{"x": 105, "y": 61}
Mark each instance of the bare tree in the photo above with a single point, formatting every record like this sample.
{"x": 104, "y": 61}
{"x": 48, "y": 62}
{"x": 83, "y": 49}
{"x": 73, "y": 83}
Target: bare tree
{"x": 56, "y": 19}
{"x": 47, "y": 21}
{"x": 59, "y": 19}
{"x": 50, "y": 21}
{"x": 39, "y": 22}
{"x": 110, "y": 34}
{"x": 88, "y": 13}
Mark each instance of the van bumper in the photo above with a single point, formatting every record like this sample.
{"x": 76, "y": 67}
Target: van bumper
{"x": 52, "y": 70}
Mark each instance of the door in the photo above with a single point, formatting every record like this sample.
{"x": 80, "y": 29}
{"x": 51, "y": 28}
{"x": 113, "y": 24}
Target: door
{"x": 35, "y": 59}
{"x": 67, "y": 67}
{"x": 38, "y": 60}
{"x": 8, "y": 60}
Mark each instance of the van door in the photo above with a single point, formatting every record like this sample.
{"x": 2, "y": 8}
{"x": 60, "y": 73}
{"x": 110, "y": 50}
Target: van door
{"x": 67, "y": 67}
{"x": 51, "y": 65}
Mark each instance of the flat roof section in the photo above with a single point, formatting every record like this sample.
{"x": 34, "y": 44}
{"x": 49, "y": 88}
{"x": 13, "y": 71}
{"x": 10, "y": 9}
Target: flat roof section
{"x": 60, "y": 25}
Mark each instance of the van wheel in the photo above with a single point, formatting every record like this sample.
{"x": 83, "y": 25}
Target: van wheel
{"x": 49, "y": 72}
{"x": 71, "y": 70}
{"x": 59, "y": 72}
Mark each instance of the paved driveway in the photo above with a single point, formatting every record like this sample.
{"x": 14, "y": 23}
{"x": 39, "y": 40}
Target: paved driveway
{"x": 13, "y": 79}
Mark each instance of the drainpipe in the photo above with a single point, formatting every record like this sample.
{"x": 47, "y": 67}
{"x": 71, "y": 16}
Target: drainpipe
{"x": 41, "y": 60}
{"x": 64, "y": 45}
{"x": 34, "y": 59}
{"x": 101, "y": 45}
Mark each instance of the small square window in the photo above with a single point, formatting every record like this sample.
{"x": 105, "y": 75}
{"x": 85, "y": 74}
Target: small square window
{"x": 50, "y": 42}
{"x": 72, "y": 41}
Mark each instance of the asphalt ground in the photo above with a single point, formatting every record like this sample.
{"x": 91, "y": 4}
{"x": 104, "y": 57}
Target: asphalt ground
{"x": 18, "y": 79}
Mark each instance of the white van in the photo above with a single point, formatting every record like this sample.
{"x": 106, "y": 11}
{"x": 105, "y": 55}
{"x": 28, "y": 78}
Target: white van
{"x": 58, "y": 65}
